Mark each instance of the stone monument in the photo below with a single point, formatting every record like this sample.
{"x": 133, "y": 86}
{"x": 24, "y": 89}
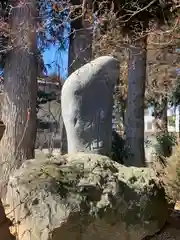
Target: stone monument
{"x": 87, "y": 102}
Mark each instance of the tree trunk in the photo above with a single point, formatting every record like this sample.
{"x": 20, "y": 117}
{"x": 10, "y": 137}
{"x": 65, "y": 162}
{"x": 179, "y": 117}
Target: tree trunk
{"x": 156, "y": 117}
{"x": 164, "y": 117}
{"x": 80, "y": 53}
{"x": 80, "y": 46}
{"x": 160, "y": 115}
{"x": 135, "y": 104}
{"x": 20, "y": 90}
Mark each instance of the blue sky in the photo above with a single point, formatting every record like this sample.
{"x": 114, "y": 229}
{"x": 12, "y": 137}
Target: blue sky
{"x": 58, "y": 59}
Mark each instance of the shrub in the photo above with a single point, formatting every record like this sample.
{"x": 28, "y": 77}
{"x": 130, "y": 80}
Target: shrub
{"x": 118, "y": 152}
{"x": 165, "y": 143}
{"x": 171, "y": 176}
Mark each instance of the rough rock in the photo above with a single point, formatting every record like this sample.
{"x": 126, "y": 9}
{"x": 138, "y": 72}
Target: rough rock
{"x": 84, "y": 197}
{"x": 87, "y": 101}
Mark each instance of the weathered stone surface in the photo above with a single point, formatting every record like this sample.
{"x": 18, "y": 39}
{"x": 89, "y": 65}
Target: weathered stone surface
{"x": 85, "y": 197}
{"x": 87, "y": 100}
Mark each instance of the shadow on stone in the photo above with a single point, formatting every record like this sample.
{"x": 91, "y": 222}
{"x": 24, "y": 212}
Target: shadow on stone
{"x": 5, "y": 223}
{"x": 2, "y": 129}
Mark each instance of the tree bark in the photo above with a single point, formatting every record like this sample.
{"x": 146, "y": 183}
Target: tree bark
{"x": 80, "y": 46}
{"x": 80, "y": 53}
{"x": 135, "y": 104}
{"x": 20, "y": 90}
{"x": 164, "y": 117}
{"x": 160, "y": 115}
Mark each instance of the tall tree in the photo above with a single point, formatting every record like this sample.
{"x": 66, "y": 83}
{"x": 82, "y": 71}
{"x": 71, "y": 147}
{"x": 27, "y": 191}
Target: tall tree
{"x": 80, "y": 38}
{"x": 162, "y": 64}
{"x": 20, "y": 88}
{"x": 80, "y": 47}
{"x": 135, "y": 103}
{"x": 135, "y": 20}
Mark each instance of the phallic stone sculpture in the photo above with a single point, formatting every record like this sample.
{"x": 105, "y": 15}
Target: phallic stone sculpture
{"x": 87, "y": 101}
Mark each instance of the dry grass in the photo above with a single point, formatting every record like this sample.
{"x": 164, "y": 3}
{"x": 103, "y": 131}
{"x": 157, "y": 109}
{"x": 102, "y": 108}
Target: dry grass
{"x": 169, "y": 172}
{"x": 171, "y": 175}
